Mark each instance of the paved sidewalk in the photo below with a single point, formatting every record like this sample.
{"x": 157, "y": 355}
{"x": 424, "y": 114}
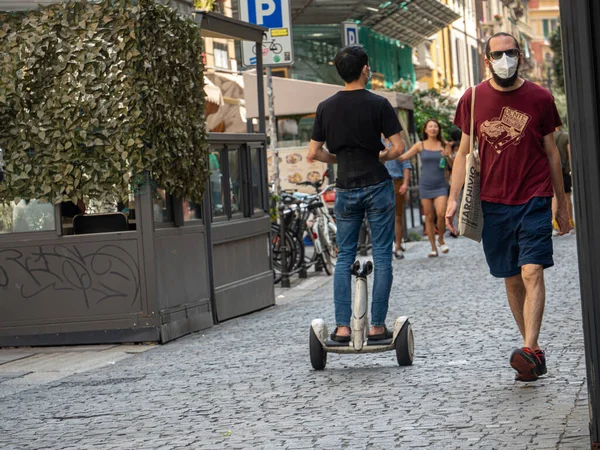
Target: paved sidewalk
{"x": 248, "y": 383}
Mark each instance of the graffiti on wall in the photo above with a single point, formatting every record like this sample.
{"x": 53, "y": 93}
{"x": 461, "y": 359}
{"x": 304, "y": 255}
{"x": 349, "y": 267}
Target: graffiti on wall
{"x": 103, "y": 273}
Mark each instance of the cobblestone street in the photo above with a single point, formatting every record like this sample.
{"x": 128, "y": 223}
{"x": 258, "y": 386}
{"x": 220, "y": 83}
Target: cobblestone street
{"x": 248, "y": 383}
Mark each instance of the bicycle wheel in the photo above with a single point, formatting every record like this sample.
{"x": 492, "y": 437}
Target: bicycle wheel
{"x": 325, "y": 255}
{"x": 333, "y": 242}
{"x": 276, "y": 252}
{"x": 277, "y": 49}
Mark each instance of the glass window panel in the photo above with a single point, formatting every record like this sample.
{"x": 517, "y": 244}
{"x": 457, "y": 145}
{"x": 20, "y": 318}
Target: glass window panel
{"x": 216, "y": 184}
{"x": 23, "y": 217}
{"x": 161, "y": 206}
{"x": 235, "y": 181}
{"x": 192, "y": 211}
{"x": 256, "y": 179}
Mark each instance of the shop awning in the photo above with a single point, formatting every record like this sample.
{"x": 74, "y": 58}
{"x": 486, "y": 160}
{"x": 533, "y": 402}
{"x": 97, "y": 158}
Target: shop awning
{"x": 231, "y": 116}
{"x": 213, "y": 93}
{"x": 413, "y": 23}
{"x": 297, "y": 97}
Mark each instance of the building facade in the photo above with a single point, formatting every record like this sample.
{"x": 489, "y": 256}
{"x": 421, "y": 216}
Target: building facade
{"x": 544, "y": 20}
{"x": 450, "y": 60}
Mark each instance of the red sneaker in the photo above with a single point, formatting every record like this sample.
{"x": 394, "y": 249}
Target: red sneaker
{"x": 528, "y": 363}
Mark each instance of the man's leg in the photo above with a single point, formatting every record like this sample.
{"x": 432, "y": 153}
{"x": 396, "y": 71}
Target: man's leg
{"x": 380, "y": 213}
{"x": 349, "y": 216}
{"x": 515, "y": 291}
{"x": 535, "y": 254}
{"x": 535, "y": 300}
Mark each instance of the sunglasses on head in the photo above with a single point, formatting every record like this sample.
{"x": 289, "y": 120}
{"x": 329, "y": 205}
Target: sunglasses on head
{"x": 511, "y": 53}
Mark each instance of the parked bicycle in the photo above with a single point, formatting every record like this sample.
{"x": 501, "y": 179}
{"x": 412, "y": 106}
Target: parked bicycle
{"x": 304, "y": 217}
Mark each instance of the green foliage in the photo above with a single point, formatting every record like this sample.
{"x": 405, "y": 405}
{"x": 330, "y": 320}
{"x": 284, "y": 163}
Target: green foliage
{"x": 94, "y": 94}
{"x": 172, "y": 87}
{"x": 274, "y": 207}
{"x": 429, "y": 104}
{"x": 557, "y": 62}
{"x": 560, "y": 99}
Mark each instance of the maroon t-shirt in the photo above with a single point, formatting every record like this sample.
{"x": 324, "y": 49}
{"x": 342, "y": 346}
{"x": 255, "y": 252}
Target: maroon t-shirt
{"x": 510, "y": 131}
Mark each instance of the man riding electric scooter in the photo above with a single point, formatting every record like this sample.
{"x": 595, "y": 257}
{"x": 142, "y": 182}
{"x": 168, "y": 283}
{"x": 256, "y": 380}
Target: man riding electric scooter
{"x": 351, "y": 123}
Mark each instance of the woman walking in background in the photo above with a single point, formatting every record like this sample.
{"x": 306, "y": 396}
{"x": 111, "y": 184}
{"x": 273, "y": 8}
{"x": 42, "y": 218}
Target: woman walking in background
{"x": 433, "y": 186}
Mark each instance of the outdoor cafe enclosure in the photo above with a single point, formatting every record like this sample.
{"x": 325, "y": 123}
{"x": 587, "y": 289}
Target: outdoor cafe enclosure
{"x": 112, "y": 228}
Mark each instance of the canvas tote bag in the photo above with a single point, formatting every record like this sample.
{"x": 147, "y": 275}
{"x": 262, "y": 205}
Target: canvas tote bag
{"x": 470, "y": 221}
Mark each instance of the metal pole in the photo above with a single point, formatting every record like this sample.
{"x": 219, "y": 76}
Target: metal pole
{"x": 285, "y": 276}
{"x": 273, "y": 130}
{"x": 581, "y": 51}
{"x": 260, "y": 89}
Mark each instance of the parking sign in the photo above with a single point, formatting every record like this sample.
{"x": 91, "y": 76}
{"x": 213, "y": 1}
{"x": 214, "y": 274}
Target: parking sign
{"x": 274, "y": 15}
{"x": 350, "y": 33}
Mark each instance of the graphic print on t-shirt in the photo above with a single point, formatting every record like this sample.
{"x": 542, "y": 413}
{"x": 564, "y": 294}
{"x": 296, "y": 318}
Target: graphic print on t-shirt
{"x": 508, "y": 129}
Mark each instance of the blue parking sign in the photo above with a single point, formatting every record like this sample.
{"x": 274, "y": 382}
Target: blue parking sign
{"x": 274, "y": 15}
{"x": 350, "y": 33}
{"x": 266, "y": 13}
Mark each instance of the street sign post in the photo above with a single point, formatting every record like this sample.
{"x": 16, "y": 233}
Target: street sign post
{"x": 277, "y": 50}
{"x": 350, "y": 33}
{"x": 274, "y": 15}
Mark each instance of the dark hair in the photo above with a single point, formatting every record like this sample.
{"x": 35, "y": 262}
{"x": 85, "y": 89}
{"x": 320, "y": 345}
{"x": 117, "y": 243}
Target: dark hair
{"x": 439, "y": 135}
{"x": 501, "y": 33}
{"x": 350, "y": 61}
{"x": 455, "y": 134}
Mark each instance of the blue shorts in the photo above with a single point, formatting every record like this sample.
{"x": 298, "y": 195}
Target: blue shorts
{"x": 515, "y": 235}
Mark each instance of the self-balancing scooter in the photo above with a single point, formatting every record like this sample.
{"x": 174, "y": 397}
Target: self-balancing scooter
{"x": 402, "y": 340}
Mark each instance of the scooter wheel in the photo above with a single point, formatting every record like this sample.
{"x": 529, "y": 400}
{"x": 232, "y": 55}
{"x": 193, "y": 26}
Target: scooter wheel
{"x": 405, "y": 346}
{"x": 318, "y": 355}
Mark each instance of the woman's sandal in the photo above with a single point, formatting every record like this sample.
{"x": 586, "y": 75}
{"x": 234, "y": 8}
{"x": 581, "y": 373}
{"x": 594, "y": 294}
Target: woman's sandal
{"x": 444, "y": 248}
{"x": 432, "y": 254}
{"x": 336, "y": 338}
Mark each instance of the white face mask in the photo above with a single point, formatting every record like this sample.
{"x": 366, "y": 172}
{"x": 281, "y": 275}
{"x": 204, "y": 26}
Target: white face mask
{"x": 506, "y": 66}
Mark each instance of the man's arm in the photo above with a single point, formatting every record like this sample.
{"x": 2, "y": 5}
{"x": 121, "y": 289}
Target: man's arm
{"x": 395, "y": 150}
{"x": 562, "y": 213}
{"x": 405, "y": 182}
{"x": 458, "y": 180}
{"x": 316, "y": 152}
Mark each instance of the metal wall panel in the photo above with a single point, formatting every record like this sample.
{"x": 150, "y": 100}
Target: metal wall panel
{"x": 581, "y": 52}
{"x": 183, "y": 290}
{"x": 67, "y": 281}
{"x": 242, "y": 268}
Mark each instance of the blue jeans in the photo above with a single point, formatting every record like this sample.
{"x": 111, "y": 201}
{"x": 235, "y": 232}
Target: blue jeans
{"x": 378, "y": 202}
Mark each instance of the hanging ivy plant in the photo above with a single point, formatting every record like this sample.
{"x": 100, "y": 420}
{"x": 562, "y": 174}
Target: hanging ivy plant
{"x": 94, "y": 94}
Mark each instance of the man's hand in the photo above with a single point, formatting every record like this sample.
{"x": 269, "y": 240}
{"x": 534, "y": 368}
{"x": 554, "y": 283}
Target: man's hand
{"x": 383, "y": 155}
{"x": 450, "y": 213}
{"x": 562, "y": 219}
{"x": 403, "y": 188}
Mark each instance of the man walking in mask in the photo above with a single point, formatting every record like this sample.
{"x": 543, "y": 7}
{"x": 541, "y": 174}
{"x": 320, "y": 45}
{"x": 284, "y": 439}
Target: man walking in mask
{"x": 514, "y": 122}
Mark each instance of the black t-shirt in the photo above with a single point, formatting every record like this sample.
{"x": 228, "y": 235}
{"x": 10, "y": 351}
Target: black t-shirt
{"x": 351, "y": 123}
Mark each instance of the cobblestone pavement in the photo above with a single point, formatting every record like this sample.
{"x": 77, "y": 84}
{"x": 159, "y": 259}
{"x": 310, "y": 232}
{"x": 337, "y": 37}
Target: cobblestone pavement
{"x": 248, "y": 383}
